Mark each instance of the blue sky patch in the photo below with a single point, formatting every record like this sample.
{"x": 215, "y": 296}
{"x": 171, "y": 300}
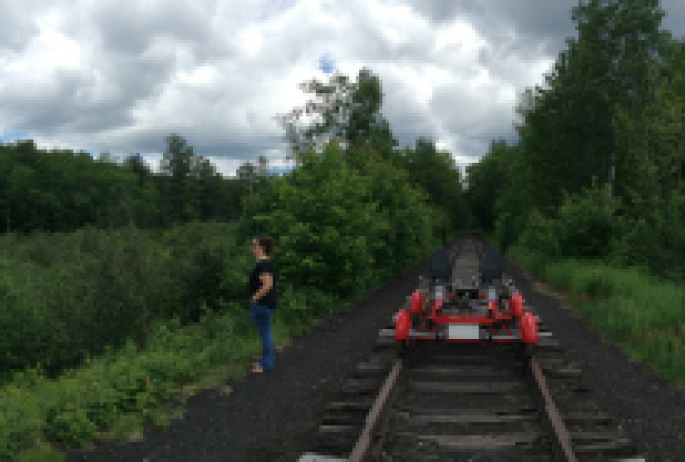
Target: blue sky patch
{"x": 13, "y": 136}
{"x": 326, "y": 65}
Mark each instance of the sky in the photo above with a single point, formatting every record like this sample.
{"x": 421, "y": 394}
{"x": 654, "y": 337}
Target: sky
{"x": 119, "y": 76}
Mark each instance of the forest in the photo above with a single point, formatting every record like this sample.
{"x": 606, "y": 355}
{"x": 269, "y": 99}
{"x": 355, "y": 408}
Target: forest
{"x": 598, "y": 170}
{"x": 112, "y": 274}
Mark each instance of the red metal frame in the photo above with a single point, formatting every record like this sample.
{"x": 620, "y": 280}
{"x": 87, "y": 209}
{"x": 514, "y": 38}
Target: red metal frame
{"x": 527, "y": 324}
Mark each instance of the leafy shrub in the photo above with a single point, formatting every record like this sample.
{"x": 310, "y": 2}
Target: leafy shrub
{"x": 588, "y": 223}
{"x": 331, "y": 221}
{"x": 650, "y": 240}
{"x": 541, "y": 234}
{"x": 584, "y": 227}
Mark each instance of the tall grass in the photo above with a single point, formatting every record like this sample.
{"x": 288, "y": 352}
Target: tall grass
{"x": 67, "y": 296}
{"x": 640, "y": 313}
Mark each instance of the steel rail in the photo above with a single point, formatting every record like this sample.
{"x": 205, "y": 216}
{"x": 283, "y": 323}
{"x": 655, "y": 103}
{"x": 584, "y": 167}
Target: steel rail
{"x": 364, "y": 442}
{"x": 553, "y": 413}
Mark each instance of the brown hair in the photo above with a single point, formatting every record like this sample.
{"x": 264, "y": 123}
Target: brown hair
{"x": 266, "y": 243}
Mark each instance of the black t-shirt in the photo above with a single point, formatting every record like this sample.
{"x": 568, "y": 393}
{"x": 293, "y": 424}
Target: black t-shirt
{"x": 263, "y": 266}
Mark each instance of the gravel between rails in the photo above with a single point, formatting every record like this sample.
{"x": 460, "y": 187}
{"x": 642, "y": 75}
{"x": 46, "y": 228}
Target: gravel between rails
{"x": 274, "y": 417}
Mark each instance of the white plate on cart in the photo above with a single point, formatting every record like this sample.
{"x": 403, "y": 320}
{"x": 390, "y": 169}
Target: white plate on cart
{"x": 463, "y": 332}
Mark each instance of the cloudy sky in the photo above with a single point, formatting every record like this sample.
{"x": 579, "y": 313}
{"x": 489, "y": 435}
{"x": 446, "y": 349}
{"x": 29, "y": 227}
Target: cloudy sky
{"x": 119, "y": 76}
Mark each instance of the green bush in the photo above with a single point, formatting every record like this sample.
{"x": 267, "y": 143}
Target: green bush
{"x": 331, "y": 221}
{"x": 25, "y": 330}
{"x": 541, "y": 234}
{"x": 77, "y": 293}
{"x": 584, "y": 227}
{"x": 650, "y": 240}
{"x": 20, "y": 421}
{"x": 508, "y": 228}
{"x": 588, "y": 223}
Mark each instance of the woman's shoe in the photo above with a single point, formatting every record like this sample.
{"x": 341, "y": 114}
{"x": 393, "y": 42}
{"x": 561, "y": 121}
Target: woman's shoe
{"x": 256, "y": 368}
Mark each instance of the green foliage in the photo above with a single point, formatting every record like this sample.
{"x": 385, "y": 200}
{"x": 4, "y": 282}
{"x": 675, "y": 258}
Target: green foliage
{"x": 541, "y": 234}
{"x": 635, "y": 310}
{"x": 612, "y": 109}
{"x": 349, "y": 110}
{"x": 567, "y": 131}
{"x": 333, "y": 220}
{"x": 436, "y": 173}
{"x": 20, "y": 421}
{"x": 68, "y": 297}
{"x": 499, "y": 192}
{"x": 588, "y": 224}
{"x": 59, "y": 190}
{"x": 354, "y": 216}
{"x": 93, "y": 289}
{"x": 655, "y": 197}
{"x": 113, "y": 319}
{"x": 651, "y": 240}
{"x": 584, "y": 227}
{"x": 485, "y": 180}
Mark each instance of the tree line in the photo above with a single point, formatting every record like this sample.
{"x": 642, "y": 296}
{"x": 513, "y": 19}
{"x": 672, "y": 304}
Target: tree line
{"x": 63, "y": 190}
{"x": 344, "y": 220}
{"x": 599, "y": 165}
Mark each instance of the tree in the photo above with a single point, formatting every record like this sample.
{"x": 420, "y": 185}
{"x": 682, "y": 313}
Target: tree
{"x": 177, "y": 163}
{"x": 263, "y": 166}
{"x": 569, "y": 136}
{"x": 436, "y": 173}
{"x": 247, "y": 174}
{"x": 622, "y": 38}
{"x": 347, "y": 110}
{"x": 332, "y": 220}
{"x": 107, "y": 158}
{"x": 137, "y": 165}
{"x": 262, "y": 171}
{"x": 486, "y": 180}
{"x": 654, "y": 234}
{"x": 178, "y": 157}
{"x": 206, "y": 183}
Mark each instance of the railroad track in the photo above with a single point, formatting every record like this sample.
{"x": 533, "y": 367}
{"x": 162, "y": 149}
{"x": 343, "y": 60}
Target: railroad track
{"x": 468, "y": 402}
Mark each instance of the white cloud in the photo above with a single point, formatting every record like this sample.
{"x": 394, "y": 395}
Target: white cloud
{"x": 119, "y": 76}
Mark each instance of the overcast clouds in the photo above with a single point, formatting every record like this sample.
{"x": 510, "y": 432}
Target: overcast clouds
{"x": 119, "y": 76}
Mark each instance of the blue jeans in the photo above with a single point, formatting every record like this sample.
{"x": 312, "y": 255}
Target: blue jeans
{"x": 262, "y": 319}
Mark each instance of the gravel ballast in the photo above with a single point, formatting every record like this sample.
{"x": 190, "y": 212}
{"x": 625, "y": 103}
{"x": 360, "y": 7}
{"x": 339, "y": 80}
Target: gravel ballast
{"x": 273, "y": 416}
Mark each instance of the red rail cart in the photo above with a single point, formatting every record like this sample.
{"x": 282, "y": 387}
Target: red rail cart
{"x": 481, "y": 312}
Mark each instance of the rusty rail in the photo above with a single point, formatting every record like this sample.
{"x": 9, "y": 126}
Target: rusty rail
{"x": 553, "y": 413}
{"x": 364, "y": 442}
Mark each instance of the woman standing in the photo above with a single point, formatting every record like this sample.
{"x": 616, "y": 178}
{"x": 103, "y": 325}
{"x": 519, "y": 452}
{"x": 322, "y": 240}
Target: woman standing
{"x": 263, "y": 300}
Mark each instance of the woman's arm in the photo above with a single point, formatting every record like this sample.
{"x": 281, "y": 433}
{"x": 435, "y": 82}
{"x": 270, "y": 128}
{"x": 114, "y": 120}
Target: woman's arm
{"x": 267, "y": 283}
